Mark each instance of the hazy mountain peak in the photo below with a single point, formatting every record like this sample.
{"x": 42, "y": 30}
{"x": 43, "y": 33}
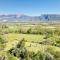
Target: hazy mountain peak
{"x": 25, "y": 18}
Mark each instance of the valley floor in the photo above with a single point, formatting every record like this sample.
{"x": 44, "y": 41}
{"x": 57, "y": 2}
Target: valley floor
{"x": 44, "y": 39}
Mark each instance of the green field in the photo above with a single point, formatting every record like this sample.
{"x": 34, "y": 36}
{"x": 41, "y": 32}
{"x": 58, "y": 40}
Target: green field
{"x": 32, "y": 41}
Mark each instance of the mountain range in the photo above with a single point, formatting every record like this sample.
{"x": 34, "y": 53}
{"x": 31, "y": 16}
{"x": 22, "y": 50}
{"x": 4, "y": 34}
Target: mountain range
{"x": 25, "y": 18}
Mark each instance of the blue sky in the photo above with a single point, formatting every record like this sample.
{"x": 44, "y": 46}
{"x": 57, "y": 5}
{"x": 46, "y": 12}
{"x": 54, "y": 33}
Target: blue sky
{"x": 30, "y": 7}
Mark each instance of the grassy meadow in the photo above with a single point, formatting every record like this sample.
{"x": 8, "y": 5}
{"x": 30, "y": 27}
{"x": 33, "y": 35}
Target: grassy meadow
{"x": 29, "y": 41}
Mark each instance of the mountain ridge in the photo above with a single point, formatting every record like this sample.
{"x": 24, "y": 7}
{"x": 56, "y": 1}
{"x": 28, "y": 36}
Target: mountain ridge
{"x": 26, "y": 18}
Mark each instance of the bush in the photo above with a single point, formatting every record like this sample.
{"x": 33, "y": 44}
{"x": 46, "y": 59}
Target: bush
{"x": 29, "y": 31}
{"x": 2, "y": 41}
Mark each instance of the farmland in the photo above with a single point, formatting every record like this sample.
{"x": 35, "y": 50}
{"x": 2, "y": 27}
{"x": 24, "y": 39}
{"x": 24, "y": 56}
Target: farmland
{"x": 29, "y": 41}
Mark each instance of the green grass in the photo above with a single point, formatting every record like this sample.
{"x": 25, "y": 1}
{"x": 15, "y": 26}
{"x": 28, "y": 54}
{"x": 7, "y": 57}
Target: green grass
{"x": 31, "y": 40}
{"x": 29, "y": 37}
{"x": 13, "y": 39}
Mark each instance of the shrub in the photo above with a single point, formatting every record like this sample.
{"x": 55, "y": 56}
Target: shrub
{"x": 29, "y": 31}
